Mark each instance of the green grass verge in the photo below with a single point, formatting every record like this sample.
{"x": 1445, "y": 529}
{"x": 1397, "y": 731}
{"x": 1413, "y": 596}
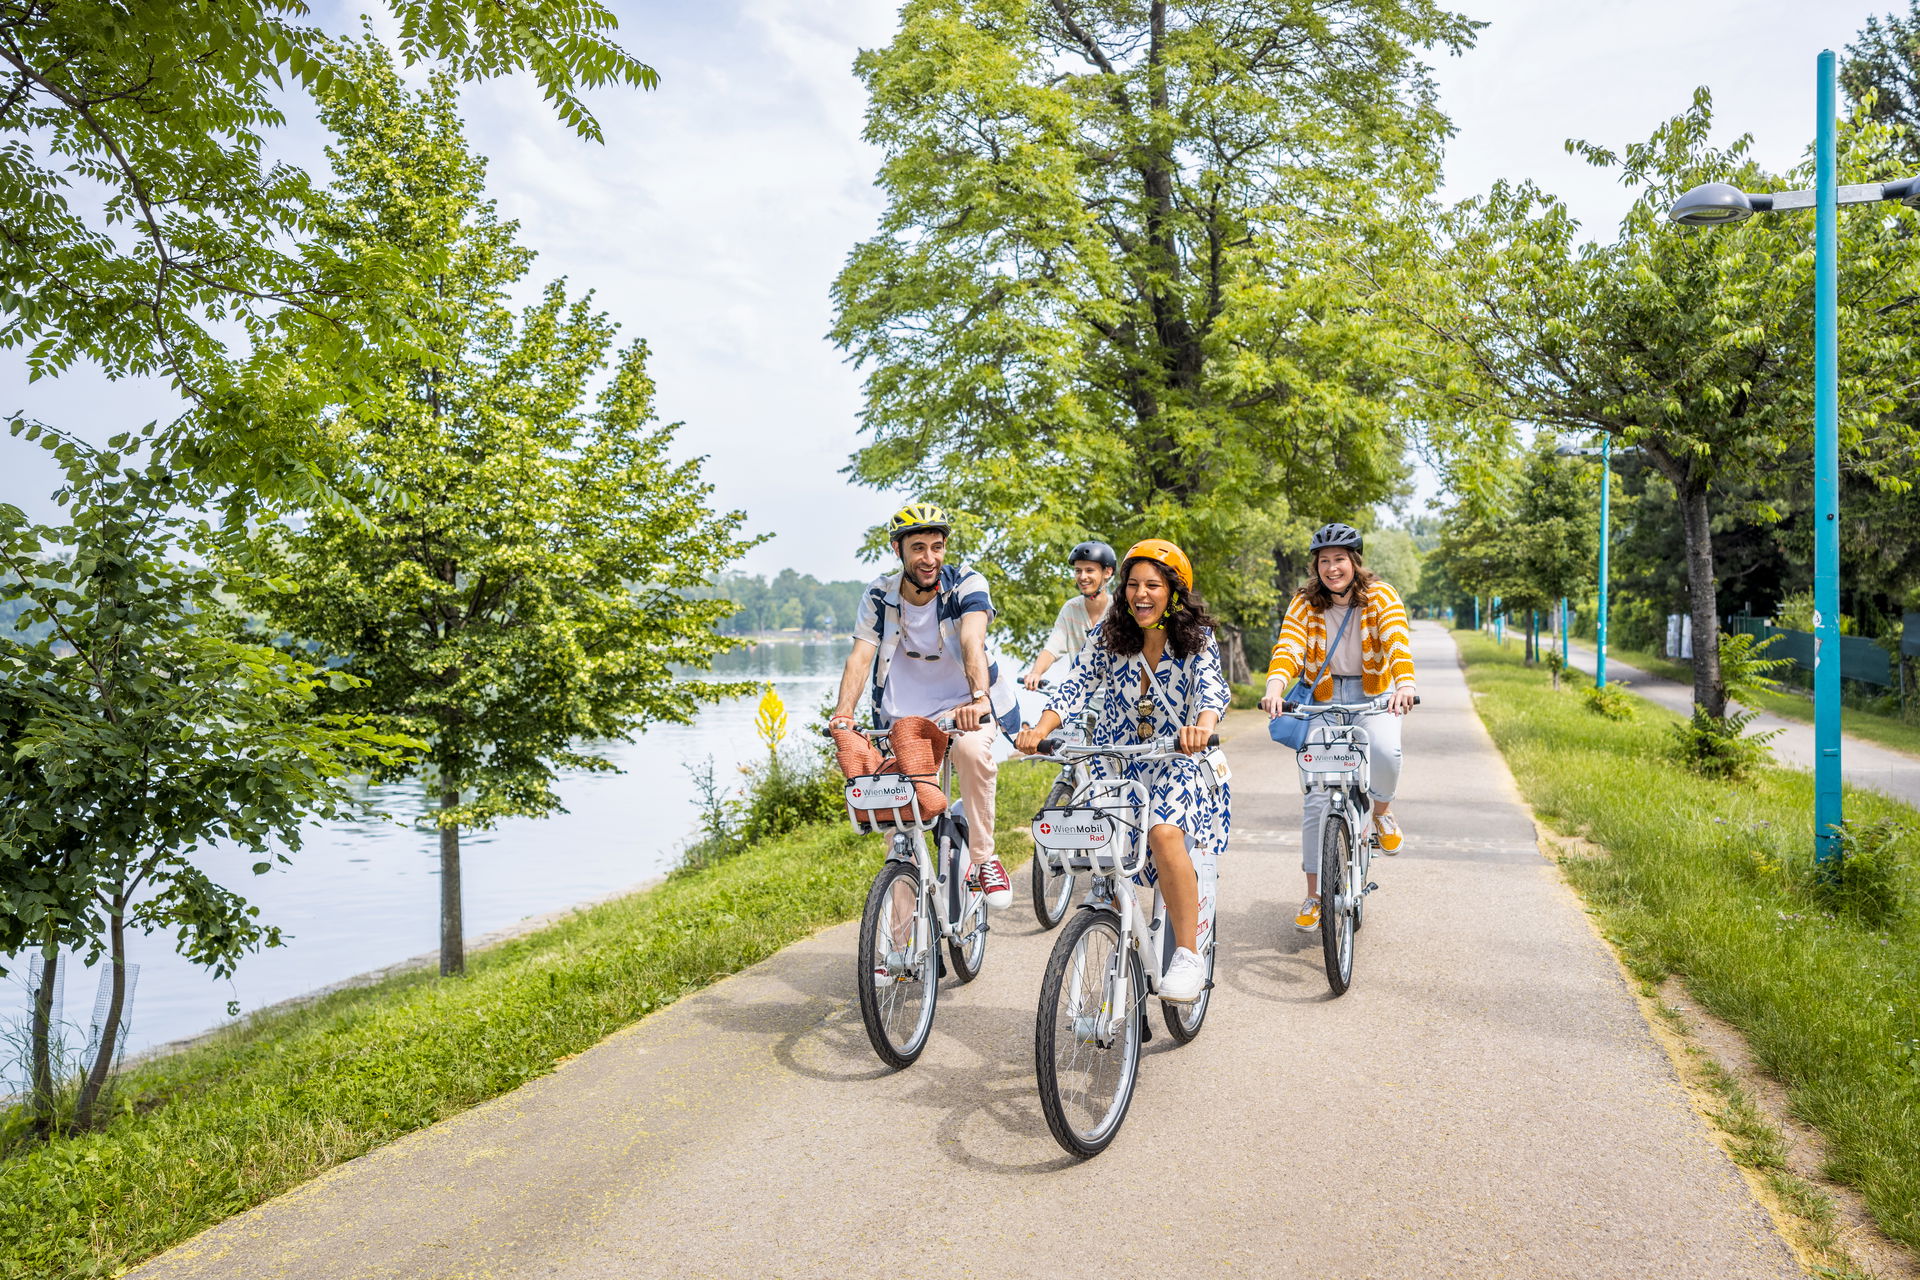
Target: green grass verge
{"x": 264, "y": 1107}
{"x": 1887, "y": 731}
{"x": 1691, "y": 884}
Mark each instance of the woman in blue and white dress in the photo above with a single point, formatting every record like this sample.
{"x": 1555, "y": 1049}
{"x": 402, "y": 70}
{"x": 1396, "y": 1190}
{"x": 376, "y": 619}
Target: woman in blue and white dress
{"x": 1150, "y": 668}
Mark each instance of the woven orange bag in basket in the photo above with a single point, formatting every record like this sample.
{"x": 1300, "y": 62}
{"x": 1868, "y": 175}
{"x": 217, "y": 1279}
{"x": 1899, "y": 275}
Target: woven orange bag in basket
{"x": 918, "y": 748}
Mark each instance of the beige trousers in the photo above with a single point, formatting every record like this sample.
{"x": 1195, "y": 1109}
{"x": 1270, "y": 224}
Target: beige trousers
{"x": 978, "y": 773}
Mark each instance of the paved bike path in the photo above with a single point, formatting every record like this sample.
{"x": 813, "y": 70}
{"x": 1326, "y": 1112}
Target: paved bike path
{"x": 1862, "y": 763}
{"x": 1486, "y": 1101}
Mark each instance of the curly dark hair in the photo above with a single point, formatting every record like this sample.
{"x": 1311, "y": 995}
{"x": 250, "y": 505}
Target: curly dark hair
{"x": 1186, "y": 621}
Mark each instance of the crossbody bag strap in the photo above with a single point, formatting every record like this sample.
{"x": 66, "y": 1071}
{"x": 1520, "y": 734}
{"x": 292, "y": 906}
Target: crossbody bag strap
{"x": 1338, "y": 637}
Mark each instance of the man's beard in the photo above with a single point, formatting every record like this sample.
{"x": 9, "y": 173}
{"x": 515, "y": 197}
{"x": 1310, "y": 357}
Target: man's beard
{"x": 933, "y": 578}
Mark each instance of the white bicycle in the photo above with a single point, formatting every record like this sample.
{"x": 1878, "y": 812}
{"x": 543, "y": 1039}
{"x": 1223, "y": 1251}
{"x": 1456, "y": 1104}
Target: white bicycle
{"x": 922, "y": 894}
{"x": 1109, "y": 958}
{"x": 1334, "y": 760}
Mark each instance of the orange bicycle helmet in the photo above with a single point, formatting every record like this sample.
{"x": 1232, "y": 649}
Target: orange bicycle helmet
{"x": 1159, "y": 549}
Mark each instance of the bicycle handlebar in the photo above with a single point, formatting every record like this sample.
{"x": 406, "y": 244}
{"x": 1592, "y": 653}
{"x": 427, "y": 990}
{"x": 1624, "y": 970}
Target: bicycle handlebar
{"x": 945, "y": 725}
{"x": 1307, "y": 710}
{"x": 1167, "y": 748}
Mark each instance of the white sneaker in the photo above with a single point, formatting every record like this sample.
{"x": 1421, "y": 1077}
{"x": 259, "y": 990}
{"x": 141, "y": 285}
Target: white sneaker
{"x": 1184, "y": 979}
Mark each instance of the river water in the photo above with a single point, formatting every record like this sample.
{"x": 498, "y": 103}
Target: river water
{"x": 365, "y": 894}
{"x": 362, "y": 895}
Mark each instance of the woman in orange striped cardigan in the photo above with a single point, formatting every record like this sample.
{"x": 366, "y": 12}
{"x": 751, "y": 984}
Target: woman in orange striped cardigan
{"x": 1374, "y": 657}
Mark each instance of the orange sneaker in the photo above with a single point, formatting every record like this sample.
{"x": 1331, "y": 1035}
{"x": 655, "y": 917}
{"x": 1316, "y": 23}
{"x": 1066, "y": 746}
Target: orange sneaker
{"x": 1309, "y": 918}
{"x": 1387, "y": 827}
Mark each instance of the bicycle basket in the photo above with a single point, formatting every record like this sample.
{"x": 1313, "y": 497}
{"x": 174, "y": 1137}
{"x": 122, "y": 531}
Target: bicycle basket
{"x": 876, "y": 800}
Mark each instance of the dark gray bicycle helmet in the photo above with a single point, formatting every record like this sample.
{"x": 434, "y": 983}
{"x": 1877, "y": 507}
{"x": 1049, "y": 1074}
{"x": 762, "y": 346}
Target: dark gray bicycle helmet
{"x": 1098, "y": 552}
{"x": 1337, "y": 535}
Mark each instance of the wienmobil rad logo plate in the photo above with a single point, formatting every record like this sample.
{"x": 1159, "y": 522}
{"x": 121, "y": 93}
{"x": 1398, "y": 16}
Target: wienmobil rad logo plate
{"x": 1074, "y": 829}
{"x": 880, "y": 791}
{"x": 1323, "y": 759}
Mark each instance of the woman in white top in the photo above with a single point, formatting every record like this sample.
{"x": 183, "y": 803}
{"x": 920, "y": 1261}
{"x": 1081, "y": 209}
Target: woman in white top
{"x": 1093, "y": 564}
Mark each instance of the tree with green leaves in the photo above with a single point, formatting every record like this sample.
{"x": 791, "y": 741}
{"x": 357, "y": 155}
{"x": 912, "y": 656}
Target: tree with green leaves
{"x": 137, "y": 726}
{"x": 1126, "y": 281}
{"x": 1693, "y": 344}
{"x": 510, "y": 583}
{"x": 181, "y": 230}
{"x": 1541, "y": 544}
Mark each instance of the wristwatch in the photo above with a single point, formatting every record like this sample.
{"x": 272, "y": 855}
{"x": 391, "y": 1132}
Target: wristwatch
{"x": 977, "y": 695}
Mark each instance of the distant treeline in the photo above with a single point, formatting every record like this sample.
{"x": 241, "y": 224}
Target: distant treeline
{"x": 791, "y": 601}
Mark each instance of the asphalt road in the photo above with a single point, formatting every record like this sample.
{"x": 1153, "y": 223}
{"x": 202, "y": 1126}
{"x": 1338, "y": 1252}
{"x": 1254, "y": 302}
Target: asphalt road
{"x": 1862, "y": 763}
{"x": 1486, "y": 1101}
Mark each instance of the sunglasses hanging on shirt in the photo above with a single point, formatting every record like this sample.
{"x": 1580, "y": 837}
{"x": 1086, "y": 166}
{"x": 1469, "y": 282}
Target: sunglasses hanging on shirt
{"x": 924, "y": 657}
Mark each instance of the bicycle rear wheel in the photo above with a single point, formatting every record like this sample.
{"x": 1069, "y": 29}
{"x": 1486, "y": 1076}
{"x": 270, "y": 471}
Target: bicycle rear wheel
{"x": 898, "y": 971}
{"x": 1183, "y": 1020}
{"x": 1086, "y": 1040}
{"x": 969, "y": 950}
{"x": 1052, "y": 890}
{"x": 1337, "y": 897}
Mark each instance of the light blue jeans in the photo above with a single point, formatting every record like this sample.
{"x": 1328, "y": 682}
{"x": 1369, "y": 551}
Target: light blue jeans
{"x": 1383, "y": 760}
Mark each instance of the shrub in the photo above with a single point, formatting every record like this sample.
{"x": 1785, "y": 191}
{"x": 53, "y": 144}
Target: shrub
{"x": 1718, "y": 746}
{"x": 1609, "y": 700}
{"x": 1871, "y": 883}
{"x": 1246, "y": 697}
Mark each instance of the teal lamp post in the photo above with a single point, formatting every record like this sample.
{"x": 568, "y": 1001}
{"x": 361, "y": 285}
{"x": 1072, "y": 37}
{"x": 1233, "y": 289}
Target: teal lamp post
{"x": 1717, "y": 204}
{"x": 1606, "y": 486}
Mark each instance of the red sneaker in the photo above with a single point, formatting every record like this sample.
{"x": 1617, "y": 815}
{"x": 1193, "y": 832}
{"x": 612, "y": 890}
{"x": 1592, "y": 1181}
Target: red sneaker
{"x": 995, "y": 883}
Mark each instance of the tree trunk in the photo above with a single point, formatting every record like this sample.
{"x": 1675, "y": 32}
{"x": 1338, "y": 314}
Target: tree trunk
{"x": 1703, "y": 597}
{"x": 1233, "y": 654}
{"x": 453, "y": 947}
{"x": 41, "y": 1050}
{"x": 110, "y": 1031}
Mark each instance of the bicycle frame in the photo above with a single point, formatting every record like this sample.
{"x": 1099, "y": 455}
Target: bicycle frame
{"x": 1114, "y": 870}
{"x": 908, "y": 842}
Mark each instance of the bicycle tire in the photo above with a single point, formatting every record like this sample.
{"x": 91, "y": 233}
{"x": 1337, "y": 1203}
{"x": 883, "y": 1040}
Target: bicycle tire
{"x": 1073, "y": 1013}
{"x": 1183, "y": 1020}
{"x": 1052, "y": 893}
{"x": 969, "y": 951}
{"x": 896, "y": 1038}
{"x": 1336, "y": 921}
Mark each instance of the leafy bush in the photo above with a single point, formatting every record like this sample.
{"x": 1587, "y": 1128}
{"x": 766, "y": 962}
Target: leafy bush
{"x": 1718, "y": 746}
{"x": 1872, "y": 882}
{"x": 1609, "y": 700}
{"x": 1246, "y": 697}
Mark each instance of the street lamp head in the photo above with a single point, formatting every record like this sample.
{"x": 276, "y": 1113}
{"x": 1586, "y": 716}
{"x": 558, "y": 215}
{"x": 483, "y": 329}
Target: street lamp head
{"x": 1568, "y": 451}
{"x": 1711, "y": 204}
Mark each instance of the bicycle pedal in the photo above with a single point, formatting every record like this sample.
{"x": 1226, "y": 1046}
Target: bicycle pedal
{"x": 1369, "y": 889}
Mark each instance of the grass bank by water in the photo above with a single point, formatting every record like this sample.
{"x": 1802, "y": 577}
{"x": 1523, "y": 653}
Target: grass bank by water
{"x": 1709, "y": 881}
{"x": 268, "y": 1105}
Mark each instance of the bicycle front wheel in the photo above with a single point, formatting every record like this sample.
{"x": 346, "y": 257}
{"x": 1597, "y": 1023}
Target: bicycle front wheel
{"x": 1337, "y": 898}
{"x": 1052, "y": 890}
{"x": 1086, "y": 1041}
{"x": 898, "y": 970}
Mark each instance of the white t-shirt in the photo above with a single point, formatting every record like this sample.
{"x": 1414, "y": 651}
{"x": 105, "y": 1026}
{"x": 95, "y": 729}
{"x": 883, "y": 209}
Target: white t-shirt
{"x": 1070, "y": 629}
{"x": 916, "y": 687}
{"x": 1346, "y": 658}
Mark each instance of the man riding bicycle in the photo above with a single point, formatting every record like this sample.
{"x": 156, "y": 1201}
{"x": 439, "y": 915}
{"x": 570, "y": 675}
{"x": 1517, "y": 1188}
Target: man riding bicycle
{"x": 920, "y": 649}
{"x": 1093, "y": 564}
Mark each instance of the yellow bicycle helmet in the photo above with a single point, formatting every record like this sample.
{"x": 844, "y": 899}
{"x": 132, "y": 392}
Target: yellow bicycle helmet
{"x": 916, "y": 517}
{"x": 1159, "y": 549}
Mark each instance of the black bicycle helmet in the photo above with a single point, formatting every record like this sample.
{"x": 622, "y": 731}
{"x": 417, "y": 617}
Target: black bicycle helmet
{"x": 1337, "y": 535}
{"x": 1098, "y": 552}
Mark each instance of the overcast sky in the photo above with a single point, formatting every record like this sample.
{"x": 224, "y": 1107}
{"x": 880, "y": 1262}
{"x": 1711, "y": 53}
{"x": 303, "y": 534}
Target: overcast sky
{"x": 717, "y": 214}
